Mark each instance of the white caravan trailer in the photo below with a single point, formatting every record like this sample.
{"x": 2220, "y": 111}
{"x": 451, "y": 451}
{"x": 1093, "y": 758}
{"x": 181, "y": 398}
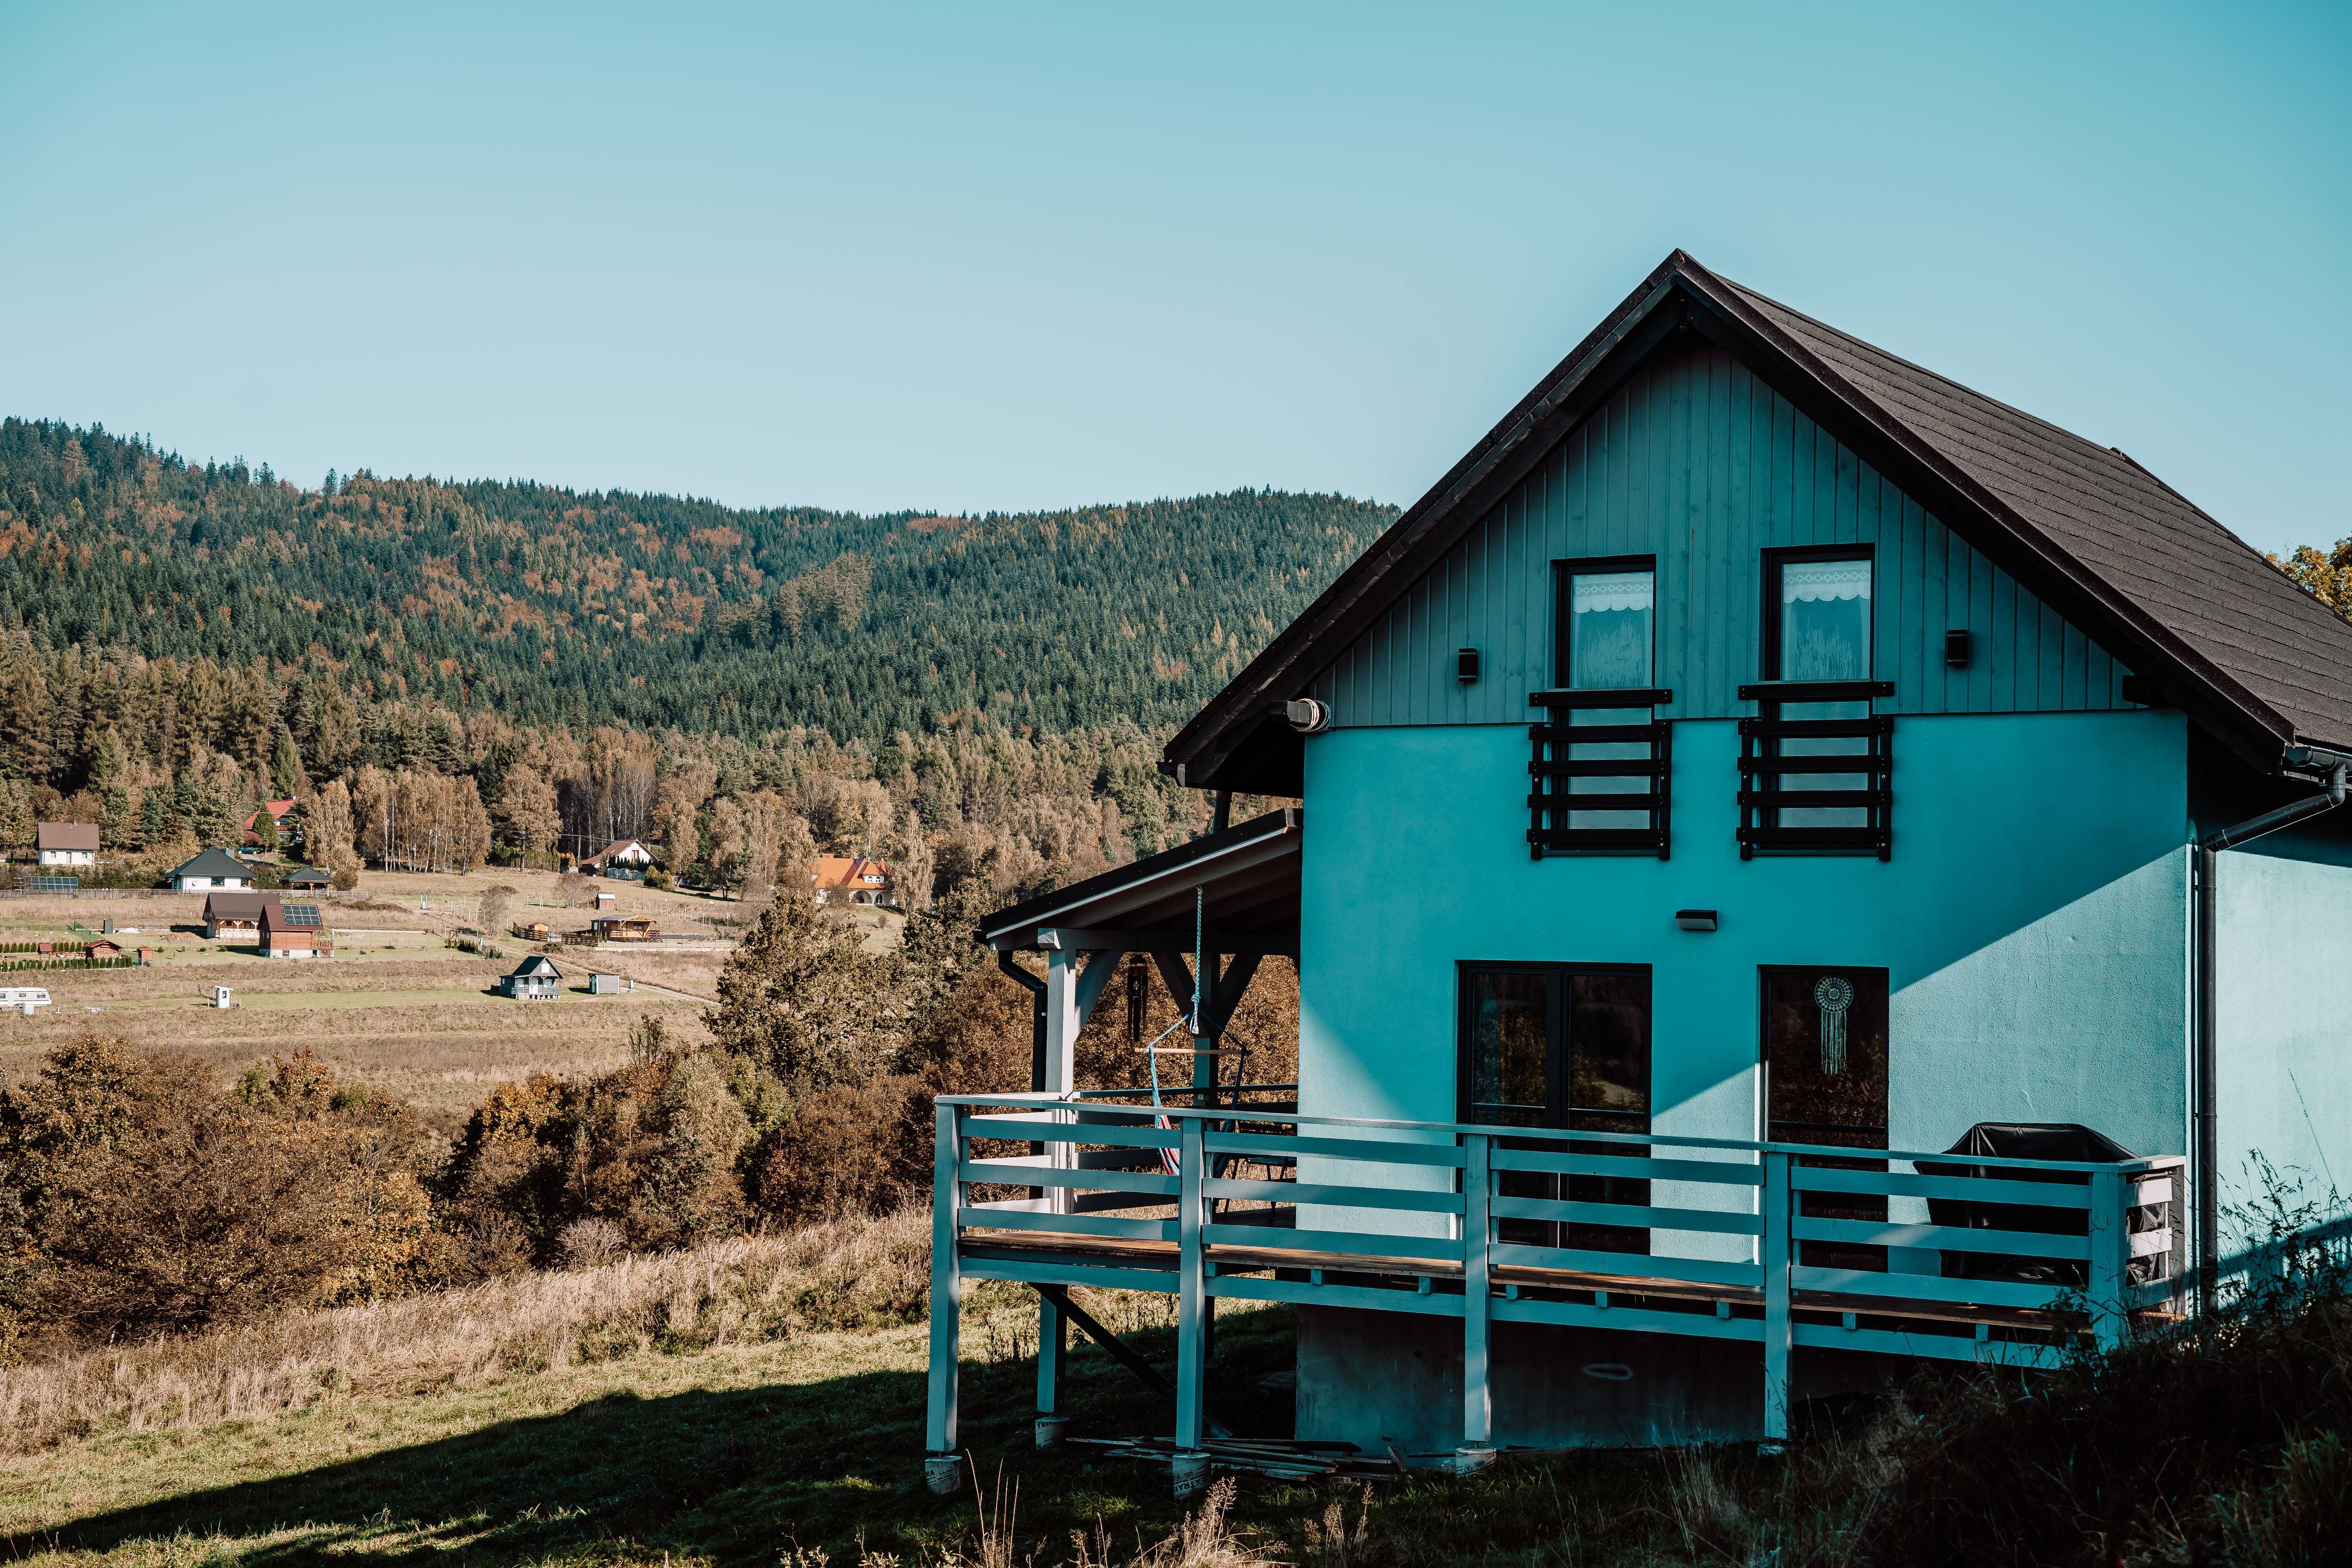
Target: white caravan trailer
{"x": 24, "y": 998}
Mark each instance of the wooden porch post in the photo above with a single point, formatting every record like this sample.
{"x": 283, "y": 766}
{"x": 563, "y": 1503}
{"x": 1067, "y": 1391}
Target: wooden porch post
{"x": 947, "y": 1300}
{"x": 1477, "y": 1401}
{"x": 1050, "y": 1339}
{"x": 2110, "y": 1247}
{"x": 1191, "y": 1319}
{"x": 1779, "y": 1252}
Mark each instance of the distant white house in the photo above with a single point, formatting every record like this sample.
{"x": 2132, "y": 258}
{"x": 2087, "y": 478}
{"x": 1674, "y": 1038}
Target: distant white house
{"x": 69, "y": 842}
{"x": 535, "y": 979}
{"x": 211, "y": 869}
{"x": 628, "y": 859}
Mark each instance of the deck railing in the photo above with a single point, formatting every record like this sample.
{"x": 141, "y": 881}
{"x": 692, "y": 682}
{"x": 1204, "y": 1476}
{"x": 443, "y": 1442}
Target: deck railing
{"x": 1783, "y": 1244}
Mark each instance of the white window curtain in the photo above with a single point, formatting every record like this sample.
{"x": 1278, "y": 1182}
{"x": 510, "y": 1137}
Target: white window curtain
{"x": 1594, "y": 591}
{"x": 1816, "y": 581}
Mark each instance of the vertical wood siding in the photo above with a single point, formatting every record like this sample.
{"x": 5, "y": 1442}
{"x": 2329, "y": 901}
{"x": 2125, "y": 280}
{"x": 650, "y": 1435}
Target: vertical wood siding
{"x": 1698, "y": 463}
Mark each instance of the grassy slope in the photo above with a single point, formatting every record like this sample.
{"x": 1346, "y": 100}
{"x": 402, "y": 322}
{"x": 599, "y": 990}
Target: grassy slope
{"x": 728, "y": 1453}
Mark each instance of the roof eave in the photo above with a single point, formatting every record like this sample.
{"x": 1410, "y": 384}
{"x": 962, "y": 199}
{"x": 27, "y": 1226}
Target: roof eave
{"x": 1200, "y": 754}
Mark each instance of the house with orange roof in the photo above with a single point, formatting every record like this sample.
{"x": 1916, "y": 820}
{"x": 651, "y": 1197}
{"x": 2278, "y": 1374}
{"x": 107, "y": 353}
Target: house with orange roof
{"x": 281, "y": 813}
{"x": 852, "y": 879}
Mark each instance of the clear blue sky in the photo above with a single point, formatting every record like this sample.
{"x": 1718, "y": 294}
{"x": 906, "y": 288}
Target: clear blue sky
{"x": 1004, "y": 256}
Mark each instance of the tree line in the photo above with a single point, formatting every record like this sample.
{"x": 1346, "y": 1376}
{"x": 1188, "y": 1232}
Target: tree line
{"x": 560, "y": 608}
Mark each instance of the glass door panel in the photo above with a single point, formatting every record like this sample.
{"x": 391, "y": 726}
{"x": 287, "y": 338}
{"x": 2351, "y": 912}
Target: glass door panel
{"x": 1555, "y": 1046}
{"x": 1825, "y": 1067}
{"x": 1608, "y": 1091}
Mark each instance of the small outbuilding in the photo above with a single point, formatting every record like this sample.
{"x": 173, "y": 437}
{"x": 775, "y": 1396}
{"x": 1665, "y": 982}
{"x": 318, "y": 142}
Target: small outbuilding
{"x": 101, "y": 948}
{"x": 214, "y": 868}
{"x": 535, "y": 979}
{"x": 606, "y": 984}
{"x": 306, "y": 880}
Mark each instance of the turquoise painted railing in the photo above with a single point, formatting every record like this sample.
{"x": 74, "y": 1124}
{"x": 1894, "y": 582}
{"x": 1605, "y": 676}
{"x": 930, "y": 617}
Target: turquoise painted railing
{"x": 1254, "y": 1202}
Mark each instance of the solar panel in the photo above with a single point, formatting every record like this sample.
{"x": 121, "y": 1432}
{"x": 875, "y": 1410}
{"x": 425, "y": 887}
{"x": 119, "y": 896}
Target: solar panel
{"x": 301, "y": 914}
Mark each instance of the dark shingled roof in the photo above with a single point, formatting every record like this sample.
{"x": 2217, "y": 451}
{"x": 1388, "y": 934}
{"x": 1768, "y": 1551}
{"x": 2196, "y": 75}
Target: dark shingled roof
{"x": 2179, "y": 599}
{"x": 213, "y": 863}
{"x": 2206, "y": 584}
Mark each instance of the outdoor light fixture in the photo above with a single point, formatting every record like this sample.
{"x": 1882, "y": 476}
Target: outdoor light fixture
{"x": 1465, "y": 665}
{"x": 1305, "y": 715}
{"x": 1694, "y": 920}
{"x": 1956, "y": 648}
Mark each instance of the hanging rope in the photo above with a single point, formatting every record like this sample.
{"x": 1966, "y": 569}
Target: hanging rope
{"x": 1200, "y": 957}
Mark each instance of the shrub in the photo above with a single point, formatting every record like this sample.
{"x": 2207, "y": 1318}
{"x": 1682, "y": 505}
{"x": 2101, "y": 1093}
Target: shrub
{"x": 153, "y": 1201}
{"x": 856, "y": 1149}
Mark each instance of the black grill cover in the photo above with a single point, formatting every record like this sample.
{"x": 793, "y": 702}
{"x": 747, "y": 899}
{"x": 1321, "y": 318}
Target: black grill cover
{"x": 2021, "y": 1140}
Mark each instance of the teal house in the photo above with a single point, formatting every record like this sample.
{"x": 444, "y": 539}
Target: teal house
{"x": 1765, "y": 795}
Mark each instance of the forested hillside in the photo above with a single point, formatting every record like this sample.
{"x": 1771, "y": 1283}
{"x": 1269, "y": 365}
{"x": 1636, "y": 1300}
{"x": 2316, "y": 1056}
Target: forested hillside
{"x": 555, "y": 607}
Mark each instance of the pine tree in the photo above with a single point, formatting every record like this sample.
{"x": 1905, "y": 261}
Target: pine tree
{"x": 802, "y": 1000}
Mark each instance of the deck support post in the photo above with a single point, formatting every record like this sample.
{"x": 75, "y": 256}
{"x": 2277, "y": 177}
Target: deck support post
{"x": 1050, "y": 1339}
{"x": 2110, "y": 1247}
{"x": 1779, "y": 1256}
{"x": 947, "y": 1300}
{"x": 1192, "y": 1295}
{"x": 1477, "y": 1396}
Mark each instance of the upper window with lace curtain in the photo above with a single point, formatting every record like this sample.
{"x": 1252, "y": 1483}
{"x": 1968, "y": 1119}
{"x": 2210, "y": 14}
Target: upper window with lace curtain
{"x": 1816, "y": 760}
{"x": 1825, "y": 620}
{"x": 1610, "y": 642}
{"x": 1598, "y": 775}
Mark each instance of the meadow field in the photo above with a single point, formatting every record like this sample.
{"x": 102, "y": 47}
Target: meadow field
{"x": 396, "y": 1008}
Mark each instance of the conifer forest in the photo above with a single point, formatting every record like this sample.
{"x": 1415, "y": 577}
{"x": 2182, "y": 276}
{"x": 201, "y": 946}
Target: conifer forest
{"x": 453, "y": 673}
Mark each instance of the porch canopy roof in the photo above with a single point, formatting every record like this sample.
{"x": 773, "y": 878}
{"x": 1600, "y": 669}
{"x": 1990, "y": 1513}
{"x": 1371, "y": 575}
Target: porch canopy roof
{"x": 1243, "y": 880}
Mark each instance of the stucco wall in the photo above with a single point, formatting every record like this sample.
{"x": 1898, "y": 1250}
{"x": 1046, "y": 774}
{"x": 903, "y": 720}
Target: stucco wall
{"x": 2034, "y": 920}
{"x": 2283, "y": 1019}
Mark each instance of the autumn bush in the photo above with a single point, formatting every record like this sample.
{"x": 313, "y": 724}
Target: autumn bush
{"x": 142, "y": 1195}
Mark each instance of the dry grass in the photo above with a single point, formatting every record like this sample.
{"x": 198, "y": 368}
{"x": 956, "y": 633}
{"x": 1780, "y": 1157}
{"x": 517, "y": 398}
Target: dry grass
{"x": 744, "y": 1291}
{"x": 394, "y": 1010}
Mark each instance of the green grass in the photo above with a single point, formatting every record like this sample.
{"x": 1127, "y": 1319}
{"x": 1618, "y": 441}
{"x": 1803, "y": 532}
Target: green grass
{"x": 733, "y": 1455}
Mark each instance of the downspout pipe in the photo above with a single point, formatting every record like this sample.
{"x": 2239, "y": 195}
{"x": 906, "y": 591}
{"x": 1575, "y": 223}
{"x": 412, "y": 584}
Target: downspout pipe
{"x": 2208, "y": 1173}
{"x": 1011, "y": 965}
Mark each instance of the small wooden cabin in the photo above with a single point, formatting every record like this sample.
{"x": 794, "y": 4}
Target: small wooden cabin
{"x": 624, "y": 928}
{"x": 231, "y": 916}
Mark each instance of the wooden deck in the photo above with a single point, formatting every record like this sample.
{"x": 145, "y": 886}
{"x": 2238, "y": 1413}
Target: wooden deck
{"x": 1768, "y": 1244}
{"x": 1062, "y": 1250}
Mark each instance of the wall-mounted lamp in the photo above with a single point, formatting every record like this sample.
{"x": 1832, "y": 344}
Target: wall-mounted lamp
{"x": 1305, "y": 715}
{"x": 1465, "y": 665}
{"x": 1957, "y": 647}
{"x": 1694, "y": 920}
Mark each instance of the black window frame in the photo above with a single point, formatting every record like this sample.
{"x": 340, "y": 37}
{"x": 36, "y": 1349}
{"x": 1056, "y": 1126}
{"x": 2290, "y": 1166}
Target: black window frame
{"x": 1762, "y": 760}
{"x": 1552, "y": 804}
